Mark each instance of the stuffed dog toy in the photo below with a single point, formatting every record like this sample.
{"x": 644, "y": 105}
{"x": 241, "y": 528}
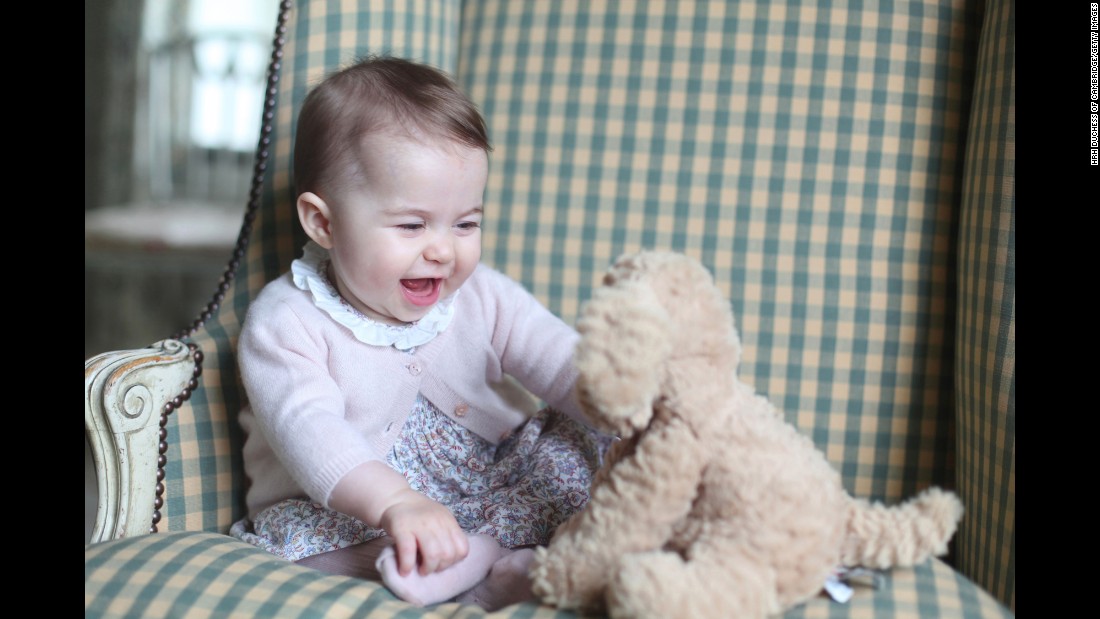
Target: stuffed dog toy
{"x": 710, "y": 505}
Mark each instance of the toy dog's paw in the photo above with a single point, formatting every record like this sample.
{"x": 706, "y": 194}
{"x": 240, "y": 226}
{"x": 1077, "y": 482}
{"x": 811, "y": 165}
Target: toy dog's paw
{"x": 546, "y": 581}
{"x": 640, "y": 587}
{"x": 565, "y": 582}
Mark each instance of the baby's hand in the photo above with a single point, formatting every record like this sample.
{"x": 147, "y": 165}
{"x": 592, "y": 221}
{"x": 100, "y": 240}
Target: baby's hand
{"x": 420, "y": 526}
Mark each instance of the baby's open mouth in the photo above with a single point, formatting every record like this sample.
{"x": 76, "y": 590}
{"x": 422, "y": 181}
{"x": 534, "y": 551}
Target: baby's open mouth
{"x": 424, "y": 291}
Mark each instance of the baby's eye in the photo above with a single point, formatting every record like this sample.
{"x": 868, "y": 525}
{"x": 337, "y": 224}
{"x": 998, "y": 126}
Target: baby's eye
{"x": 411, "y": 227}
{"x": 469, "y": 225}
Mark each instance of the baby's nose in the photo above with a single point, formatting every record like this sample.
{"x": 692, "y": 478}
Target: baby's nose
{"x": 440, "y": 249}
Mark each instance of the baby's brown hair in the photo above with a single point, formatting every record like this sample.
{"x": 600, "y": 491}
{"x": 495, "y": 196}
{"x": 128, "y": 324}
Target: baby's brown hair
{"x": 374, "y": 94}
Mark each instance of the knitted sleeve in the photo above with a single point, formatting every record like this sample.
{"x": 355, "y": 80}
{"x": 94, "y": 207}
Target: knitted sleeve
{"x": 298, "y": 406}
{"x": 534, "y": 345}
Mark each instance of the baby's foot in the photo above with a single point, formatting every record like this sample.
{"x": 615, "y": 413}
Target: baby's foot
{"x": 508, "y": 583}
{"x": 444, "y": 584}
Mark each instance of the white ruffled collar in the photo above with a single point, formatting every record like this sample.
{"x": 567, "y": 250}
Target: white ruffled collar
{"x": 309, "y": 273}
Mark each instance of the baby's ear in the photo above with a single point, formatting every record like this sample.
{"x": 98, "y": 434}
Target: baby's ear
{"x": 315, "y": 217}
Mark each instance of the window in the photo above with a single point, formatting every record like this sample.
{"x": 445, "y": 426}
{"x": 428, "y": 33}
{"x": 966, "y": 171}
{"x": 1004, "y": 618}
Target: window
{"x": 173, "y": 102}
{"x": 200, "y": 96}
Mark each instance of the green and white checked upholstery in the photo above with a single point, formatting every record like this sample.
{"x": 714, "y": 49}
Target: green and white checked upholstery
{"x": 845, "y": 168}
{"x": 985, "y": 342}
{"x": 790, "y": 150}
{"x": 211, "y": 575}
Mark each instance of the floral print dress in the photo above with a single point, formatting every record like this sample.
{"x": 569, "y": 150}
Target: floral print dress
{"x": 518, "y": 491}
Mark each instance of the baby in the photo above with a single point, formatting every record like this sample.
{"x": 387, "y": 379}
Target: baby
{"x": 378, "y": 443}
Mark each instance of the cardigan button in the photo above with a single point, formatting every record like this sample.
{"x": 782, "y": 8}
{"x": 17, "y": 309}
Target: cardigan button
{"x": 461, "y": 410}
{"x": 414, "y": 369}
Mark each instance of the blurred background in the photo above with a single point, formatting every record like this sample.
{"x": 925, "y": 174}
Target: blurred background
{"x": 172, "y": 99}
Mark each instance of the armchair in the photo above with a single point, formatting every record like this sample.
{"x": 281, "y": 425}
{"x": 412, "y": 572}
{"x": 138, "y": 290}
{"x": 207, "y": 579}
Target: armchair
{"x": 846, "y": 169}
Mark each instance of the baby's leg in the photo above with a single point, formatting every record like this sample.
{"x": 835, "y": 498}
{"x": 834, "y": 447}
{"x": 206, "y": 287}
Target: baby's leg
{"x": 445, "y": 584}
{"x": 357, "y": 561}
{"x": 507, "y": 583}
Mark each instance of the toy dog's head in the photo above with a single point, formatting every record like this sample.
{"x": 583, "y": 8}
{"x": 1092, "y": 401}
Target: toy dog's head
{"x": 653, "y": 310}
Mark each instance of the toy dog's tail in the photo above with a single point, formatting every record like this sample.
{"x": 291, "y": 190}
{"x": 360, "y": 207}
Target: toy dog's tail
{"x": 902, "y": 535}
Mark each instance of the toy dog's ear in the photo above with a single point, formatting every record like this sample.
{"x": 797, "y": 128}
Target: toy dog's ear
{"x": 621, "y": 354}
{"x": 700, "y": 316}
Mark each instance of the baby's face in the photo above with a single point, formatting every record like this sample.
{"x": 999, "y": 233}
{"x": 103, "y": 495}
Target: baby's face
{"x": 410, "y": 233}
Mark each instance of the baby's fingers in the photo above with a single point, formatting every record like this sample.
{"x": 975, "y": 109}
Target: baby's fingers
{"x": 461, "y": 543}
{"x": 437, "y": 552}
{"x": 405, "y": 545}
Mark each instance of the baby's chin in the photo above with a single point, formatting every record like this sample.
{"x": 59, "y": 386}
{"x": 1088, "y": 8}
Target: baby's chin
{"x": 403, "y": 319}
{"x": 399, "y": 318}
{"x": 407, "y": 316}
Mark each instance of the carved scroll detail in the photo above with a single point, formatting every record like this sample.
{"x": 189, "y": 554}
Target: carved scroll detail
{"x": 124, "y": 394}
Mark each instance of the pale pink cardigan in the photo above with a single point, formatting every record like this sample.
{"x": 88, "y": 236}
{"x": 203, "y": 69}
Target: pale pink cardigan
{"x": 321, "y": 402}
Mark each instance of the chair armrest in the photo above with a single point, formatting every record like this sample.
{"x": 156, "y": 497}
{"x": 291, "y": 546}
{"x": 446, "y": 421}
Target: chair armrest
{"x": 127, "y": 395}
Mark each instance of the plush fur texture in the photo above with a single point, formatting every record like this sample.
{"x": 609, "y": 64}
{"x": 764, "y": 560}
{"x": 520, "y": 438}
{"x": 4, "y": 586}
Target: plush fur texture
{"x": 710, "y": 505}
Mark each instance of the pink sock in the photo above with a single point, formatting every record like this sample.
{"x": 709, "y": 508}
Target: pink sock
{"x": 445, "y": 584}
{"x": 507, "y": 583}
